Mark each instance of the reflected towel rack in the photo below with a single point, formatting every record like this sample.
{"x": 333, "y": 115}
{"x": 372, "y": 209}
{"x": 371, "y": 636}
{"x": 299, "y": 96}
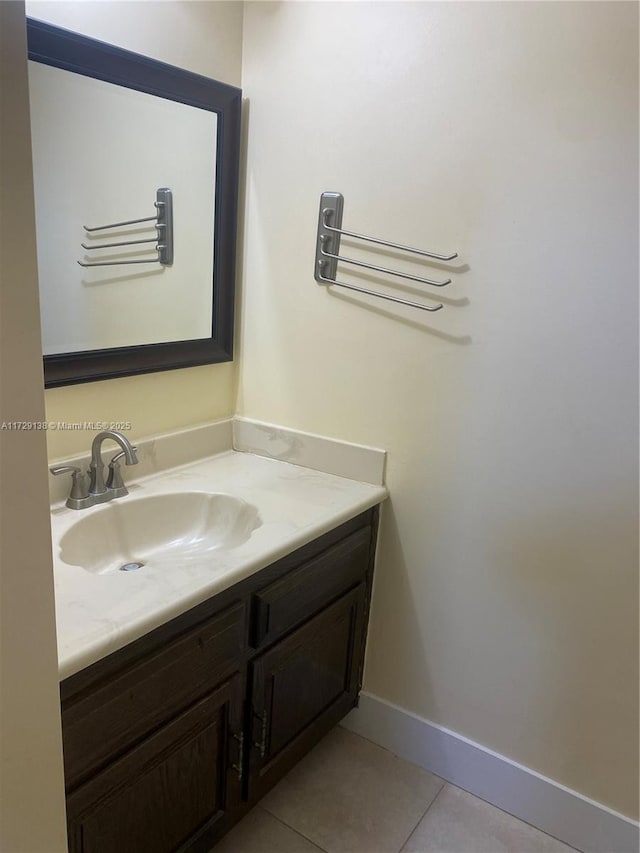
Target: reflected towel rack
{"x": 163, "y": 238}
{"x": 328, "y": 254}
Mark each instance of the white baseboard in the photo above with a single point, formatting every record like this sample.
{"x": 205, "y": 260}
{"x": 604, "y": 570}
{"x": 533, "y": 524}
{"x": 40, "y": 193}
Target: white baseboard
{"x": 565, "y": 814}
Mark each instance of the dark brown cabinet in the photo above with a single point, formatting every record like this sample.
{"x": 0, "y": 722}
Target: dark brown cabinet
{"x": 168, "y": 742}
{"x": 171, "y": 788}
{"x": 303, "y": 686}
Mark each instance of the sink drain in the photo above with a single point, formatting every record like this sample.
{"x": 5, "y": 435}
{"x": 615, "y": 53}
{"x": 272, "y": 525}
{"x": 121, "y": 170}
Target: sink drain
{"x": 131, "y": 567}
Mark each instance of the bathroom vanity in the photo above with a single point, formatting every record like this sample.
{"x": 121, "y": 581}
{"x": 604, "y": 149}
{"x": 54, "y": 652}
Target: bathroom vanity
{"x": 171, "y": 738}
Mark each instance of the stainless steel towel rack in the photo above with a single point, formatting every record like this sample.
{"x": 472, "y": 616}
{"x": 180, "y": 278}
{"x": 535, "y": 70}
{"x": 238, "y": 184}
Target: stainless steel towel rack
{"x": 328, "y": 254}
{"x": 163, "y": 238}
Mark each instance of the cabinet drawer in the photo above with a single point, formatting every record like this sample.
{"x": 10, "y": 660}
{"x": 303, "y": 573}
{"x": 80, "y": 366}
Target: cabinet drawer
{"x": 302, "y": 592}
{"x": 107, "y": 718}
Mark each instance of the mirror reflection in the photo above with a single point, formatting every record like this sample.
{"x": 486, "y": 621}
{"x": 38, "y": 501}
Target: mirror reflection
{"x": 119, "y": 141}
{"x": 100, "y": 152}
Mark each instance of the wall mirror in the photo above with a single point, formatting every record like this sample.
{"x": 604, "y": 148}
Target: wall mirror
{"x": 112, "y": 132}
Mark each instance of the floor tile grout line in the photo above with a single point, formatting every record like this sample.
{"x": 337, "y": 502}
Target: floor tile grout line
{"x": 445, "y": 783}
{"x": 422, "y": 817}
{"x": 297, "y": 832}
{"x": 410, "y": 763}
{"x": 471, "y": 793}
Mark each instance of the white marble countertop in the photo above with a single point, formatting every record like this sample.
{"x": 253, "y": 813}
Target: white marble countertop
{"x": 97, "y": 614}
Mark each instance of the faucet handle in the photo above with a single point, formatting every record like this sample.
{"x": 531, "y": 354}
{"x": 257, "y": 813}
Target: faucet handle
{"x": 78, "y": 488}
{"x": 114, "y": 480}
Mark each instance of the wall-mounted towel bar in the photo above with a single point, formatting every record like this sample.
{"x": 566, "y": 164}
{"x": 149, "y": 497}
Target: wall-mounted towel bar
{"x": 120, "y": 224}
{"x": 163, "y": 238}
{"x": 328, "y": 253}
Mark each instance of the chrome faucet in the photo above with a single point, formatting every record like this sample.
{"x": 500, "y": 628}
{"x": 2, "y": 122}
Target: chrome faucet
{"x": 98, "y": 491}
{"x": 97, "y": 488}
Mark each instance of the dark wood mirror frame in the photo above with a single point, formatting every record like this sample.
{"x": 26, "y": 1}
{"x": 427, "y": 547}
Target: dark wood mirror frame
{"x": 72, "y": 52}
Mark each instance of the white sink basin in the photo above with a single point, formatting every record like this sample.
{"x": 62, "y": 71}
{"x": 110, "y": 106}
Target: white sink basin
{"x": 157, "y": 531}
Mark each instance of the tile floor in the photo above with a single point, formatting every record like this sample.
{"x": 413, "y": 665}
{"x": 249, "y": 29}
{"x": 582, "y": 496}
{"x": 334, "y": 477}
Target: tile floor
{"x": 351, "y": 796}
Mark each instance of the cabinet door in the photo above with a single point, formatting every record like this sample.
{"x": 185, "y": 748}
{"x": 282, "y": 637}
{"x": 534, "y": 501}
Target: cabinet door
{"x": 171, "y": 791}
{"x": 108, "y": 716}
{"x": 303, "y": 686}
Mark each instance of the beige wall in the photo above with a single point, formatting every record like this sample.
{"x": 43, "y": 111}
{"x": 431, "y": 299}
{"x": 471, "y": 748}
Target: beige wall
{"x": 506, "y": 597}
{"x": 204, "y": 37}
{"x": 31, "y": 782}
